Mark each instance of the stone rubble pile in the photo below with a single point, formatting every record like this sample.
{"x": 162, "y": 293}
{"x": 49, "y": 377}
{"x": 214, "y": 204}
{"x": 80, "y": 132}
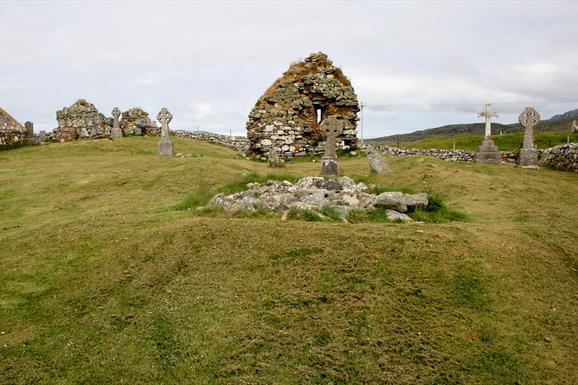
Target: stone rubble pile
{"x": 288, "y": 116}
{"x": 239, "y": 143}
{"x": 315, "y": 193}
{"x": 562, "y": 157}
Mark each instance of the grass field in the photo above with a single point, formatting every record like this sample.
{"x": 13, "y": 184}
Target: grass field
{"x": 505, "y": 142}
{"x": 104, "y": 282}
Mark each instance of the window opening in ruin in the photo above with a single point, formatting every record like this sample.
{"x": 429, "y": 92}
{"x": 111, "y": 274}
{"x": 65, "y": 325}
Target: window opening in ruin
{"x": 319, "y": 115}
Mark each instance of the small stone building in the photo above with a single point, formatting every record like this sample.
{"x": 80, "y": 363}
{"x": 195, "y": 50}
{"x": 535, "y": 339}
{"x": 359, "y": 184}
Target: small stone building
{"x": 10, "y": 130}
{"x": 81, "y": 121}
{"x": 136, "y": 121}
{"x": 289, "y": 114}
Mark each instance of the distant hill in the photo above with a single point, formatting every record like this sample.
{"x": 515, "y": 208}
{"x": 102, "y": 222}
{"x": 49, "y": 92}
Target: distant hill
{"x": 565, "y": 116}
{"x": 560, "y": 122}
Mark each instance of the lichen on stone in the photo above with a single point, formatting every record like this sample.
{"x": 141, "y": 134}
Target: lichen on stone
{"x": 286, "y": 115}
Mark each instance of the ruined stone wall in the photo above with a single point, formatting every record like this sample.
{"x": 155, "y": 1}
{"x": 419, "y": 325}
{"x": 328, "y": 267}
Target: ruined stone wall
{"x": 239, "y": 143}
{"x": 81, "y": 121}
{"x": 562, "y": 157}
{"x": 11, "y": 131}
{"x": 286, "y": 116}
{"x": 136, "y": 121}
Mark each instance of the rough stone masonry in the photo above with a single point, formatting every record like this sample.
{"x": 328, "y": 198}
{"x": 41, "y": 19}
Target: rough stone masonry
{"x": 289, "y": 114}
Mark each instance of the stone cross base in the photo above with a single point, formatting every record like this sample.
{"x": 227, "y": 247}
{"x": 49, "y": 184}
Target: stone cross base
{"x": 528, "y": 157}
{"x": 116, "y": 133}
{"x": 488, "y": 153}
{"x": 329, "y": 166}
{"x": 165, "y": 148}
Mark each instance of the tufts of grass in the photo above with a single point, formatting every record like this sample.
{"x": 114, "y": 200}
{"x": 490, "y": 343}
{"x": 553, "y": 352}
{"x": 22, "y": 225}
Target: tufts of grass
{"x": 331, "y": 212}
{"x": 13, "y": 146}
{"x": 437, "y": 212}
{"x": 202, "y": 196}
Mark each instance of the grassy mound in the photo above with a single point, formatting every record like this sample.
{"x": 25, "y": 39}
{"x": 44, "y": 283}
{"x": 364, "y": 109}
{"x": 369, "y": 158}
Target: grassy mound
{"x": 101, "y": 283}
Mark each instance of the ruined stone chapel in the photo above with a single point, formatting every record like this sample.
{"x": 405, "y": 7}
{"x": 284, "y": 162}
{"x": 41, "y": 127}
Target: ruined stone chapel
{"x": 288, "y": 116}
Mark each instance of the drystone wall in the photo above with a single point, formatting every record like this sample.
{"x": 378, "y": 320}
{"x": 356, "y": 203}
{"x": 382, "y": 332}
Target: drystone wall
{"x": 239, "y": 143}
{"x": 288, "y": 116}
{"x": 449, "y": 155}
{"x": 562, "y": 157}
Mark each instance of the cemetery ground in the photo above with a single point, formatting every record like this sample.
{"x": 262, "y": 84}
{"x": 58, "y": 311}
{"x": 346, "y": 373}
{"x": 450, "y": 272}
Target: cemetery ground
{"x": 103, "y": 281}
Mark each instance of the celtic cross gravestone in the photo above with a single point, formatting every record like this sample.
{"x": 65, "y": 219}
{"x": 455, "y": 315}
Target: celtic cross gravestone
{"x": 332, "y": 127}
{"x": 116, "y": 132}
{"x": 528, "y": 156}
{"x": 165, "y": 146}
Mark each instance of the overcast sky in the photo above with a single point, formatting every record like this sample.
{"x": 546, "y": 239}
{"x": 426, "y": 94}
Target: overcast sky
{"x": 415, "y": 65}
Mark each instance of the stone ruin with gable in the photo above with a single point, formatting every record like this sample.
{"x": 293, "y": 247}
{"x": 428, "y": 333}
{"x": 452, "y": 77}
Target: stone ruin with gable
{"x": 11, "y": 131}
{"x": 82, "y": 120}
{"x": 288, "y": 116}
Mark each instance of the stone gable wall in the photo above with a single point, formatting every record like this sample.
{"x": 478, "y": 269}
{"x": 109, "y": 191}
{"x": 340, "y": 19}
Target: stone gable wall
{"x": 286, "y": 116}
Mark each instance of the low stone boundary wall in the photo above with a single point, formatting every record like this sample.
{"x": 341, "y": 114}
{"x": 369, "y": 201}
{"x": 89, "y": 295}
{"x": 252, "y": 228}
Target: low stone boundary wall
{"x": 449, "y": 155}
{"x": 561, "y": 157}
{"x": 239, "y": 143}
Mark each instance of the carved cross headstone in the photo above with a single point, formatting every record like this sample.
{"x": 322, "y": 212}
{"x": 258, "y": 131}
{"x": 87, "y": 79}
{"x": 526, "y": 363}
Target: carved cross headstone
{"x": 574, "y": 126}
{"x": 488, "y": 114}
{"x": 165, "y": 147}
{"x": 529, "y": 118}
{"x": 116, "y": 132}
{"x": 528, "y": 155}
{"x": 332, "y": 127}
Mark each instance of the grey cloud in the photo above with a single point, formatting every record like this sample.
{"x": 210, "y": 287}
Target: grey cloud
{"x": 416, "y": 65}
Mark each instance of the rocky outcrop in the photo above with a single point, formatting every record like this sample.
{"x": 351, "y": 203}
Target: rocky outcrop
{"x": 81, "y": 121}
{"x": 315, "y": 193}
{"x": 239, "y": 143}
{"x": 11, "y": 131}
{"x": 562, "y": 157}
{"x": 136, "y": 121}
{"x": 289, "y": 114}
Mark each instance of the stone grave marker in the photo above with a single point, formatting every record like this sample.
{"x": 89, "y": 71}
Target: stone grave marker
{"x": 488, "y": 152}
{"x": 165, "y": 146}
{"x": 274, "y": 158}
{"x": 116, "y": 132}
{"x": 528, "y": 156}
{"x": 332, "y": 127}
{"x": 29, "y": 126}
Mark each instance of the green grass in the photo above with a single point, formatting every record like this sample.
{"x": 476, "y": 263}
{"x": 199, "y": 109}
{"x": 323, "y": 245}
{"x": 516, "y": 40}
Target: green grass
{"x": 102, "y": 284}
{"x": 506, "y": 142}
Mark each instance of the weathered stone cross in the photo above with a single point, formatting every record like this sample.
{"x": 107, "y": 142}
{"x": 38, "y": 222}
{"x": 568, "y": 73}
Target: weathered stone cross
{"x": 165, "y": 147}
{"x": 529, "y": 118}
{"x": 332, "y": 127}
{"x": 116, "y": 132}
{"x": 528, "y": 155}
{"x": 165, "y": 117}
{"x": 488, "y": 114}
{"x": 115, "y": 115}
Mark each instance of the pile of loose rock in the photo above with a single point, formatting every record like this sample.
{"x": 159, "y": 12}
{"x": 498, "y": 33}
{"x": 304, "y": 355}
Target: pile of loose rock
{"x": 240, "y": 143}
{"x": 316, "y": 193}
{"x": 562, "y": 157}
